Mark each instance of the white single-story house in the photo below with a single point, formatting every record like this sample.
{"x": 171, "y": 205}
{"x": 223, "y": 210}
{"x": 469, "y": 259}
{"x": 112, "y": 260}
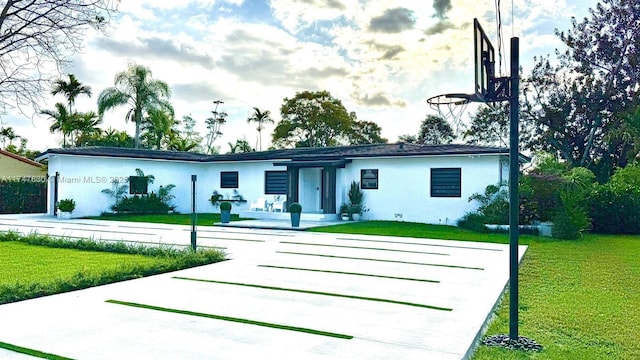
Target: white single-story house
{"x": 421, "y": 183}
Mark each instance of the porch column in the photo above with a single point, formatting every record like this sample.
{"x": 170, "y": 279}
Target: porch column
{"x": 329, "y": 191}
{"x": 293, "y": 179}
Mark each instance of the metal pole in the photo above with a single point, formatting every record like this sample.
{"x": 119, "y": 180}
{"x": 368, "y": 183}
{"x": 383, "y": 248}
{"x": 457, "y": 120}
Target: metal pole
{"x": 514, "y": 201}
{"x": 194, "y": 215}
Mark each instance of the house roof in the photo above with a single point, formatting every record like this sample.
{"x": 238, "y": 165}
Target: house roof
{"x": 20, "y": 158}
{"x": 298, "y": 154}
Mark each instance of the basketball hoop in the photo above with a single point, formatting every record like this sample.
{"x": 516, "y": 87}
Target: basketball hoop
{"x": 451, "y": 107}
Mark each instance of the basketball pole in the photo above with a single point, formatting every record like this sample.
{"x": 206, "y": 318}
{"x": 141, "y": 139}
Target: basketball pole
{"x": 514, "y": 200}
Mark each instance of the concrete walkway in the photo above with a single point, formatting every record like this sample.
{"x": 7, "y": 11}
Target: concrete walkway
{"x": 283, "y": 295}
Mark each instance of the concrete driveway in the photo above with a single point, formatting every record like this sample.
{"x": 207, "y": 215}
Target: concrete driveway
{"x": 283, "y": 295}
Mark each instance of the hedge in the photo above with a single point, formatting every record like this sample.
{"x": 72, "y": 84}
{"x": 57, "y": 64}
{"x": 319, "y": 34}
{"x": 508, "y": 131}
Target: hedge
{"x": 23, "y": 196}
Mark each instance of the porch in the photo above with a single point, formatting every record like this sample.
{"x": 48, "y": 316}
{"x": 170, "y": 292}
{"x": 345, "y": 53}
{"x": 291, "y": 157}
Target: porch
{"x": 281, "y": 221}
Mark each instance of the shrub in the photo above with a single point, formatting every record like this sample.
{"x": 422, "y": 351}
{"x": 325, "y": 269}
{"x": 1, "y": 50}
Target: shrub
{"x": 150, "y": 204}
{"x": 474, "y": 222}
{"x": 117, "y": 192}
{"x": 615, "y": 206}
{"x": 295, "y": 208}
{"x": 539, "y": 197}
{"x": 66, "y": 205}
{"x": 23, "y": 196}
{"x": 225, "y": 206}
{"x": 571, "y": 217}
{"x": 494, "y": 204}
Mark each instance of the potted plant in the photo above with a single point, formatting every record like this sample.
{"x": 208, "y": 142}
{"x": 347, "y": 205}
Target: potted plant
{"x": 356, "y": 201}
{"x": 295, "y": 210}
{"x": 345, "y": 212}
{"x": 66, "y": 207}
{"x": 225, "y": 212}
{"x": 215, "y": 198}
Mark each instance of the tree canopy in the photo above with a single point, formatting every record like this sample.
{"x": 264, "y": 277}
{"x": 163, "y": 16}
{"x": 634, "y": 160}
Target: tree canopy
{"x": 317, "y": 119}
{"x": 136, "y": 89}
{"x": 576, "y": 107}
{"x": 36, "y": 34}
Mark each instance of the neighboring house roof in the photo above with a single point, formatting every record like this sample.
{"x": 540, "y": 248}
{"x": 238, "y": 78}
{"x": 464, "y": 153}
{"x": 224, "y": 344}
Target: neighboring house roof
{"x": 297, "y": 154}
{"x": 20, "y": 158}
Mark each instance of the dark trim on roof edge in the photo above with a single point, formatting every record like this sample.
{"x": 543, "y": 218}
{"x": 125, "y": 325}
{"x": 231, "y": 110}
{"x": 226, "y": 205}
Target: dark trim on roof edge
{"x": 297, "y": 154}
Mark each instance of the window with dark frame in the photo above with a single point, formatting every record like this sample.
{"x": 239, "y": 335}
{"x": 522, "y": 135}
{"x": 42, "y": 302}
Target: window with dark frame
{"x": 275, "y": 182}
{"x": 369, "y": 178}
{"x": 446, "y": 182}
{"x": 229, "y": 179}
{"x": 138, "y": 185}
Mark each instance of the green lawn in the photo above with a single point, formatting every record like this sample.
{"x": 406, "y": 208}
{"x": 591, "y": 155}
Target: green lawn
{"x": 24, "y": 263}
{"x": 579, "y": 299}
{"x": 203, "y": 219}
{"x": 38, "y": 265}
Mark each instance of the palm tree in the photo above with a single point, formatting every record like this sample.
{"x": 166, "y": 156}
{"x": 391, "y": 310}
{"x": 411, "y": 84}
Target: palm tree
{"x": 85, "y": 126}
{"x": 71, "y": 90}
{"x": 180, "y": 143}
{"x": 7, "y": 133}
{"x": 63, "y": 121}
{"x": 135, "y": 88}
{"x": 260, "y": 117}
{"x": 159, "y": 126}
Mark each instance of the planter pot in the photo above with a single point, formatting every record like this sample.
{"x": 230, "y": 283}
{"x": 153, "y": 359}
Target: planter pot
{"x": 344, "y": 217}
{"x": 225, "y": 216}
{"x": 356, "y": 216}
{"x": 64, "y": 215}
{"x": 295, "y": 219}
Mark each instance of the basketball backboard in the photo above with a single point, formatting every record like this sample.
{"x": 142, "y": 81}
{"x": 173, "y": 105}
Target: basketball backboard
{"x": 485, "y": 61}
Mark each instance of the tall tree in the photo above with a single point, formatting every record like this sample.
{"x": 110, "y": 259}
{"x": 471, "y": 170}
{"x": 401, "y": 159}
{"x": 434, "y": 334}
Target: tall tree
{"x": 365, "y": 132}
{"x": 7, "y": 134}
{"x": 313, "y": 119}
{"x": 261, "y": 118}
{"x": 70, "y": 89}
{"x": 109, "y": 137}
{"x": 489, "y": 125}
{"x": 84, "y": 127}
{"x": 159, "y": 128}
{"x": 434, "y": 130}
{"x": 214, "y": 124}
{"x": 135, "y": 88}
{"x": 63, "y": 121}
{"x": 241, "y": 146}
{"x": 38, "y": 35}
{"x": 575, "y": 106}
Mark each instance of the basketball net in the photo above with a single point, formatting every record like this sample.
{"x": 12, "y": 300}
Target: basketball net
{"x": 451, "y": 107}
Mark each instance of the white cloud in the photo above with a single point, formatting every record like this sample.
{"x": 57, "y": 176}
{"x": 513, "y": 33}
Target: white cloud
{"x": 385, "y": 76}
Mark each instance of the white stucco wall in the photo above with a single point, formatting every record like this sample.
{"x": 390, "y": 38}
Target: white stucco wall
{"x": 250, "y": 182}
{"x": 404, "y": 190}
{"x": 403, "y": 183}
{"x": 82, "y": 178}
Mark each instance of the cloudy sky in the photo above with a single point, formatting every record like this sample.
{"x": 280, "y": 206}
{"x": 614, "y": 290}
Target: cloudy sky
{"x": 381, "y": 58}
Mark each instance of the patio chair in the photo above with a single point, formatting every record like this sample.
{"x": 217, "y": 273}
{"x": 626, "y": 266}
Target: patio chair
{"x": 279, "y": 205}
{"x": 259, "y": 204}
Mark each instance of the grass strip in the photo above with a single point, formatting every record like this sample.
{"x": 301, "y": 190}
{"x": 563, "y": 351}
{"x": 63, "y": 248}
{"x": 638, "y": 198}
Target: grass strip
{"x": 349, "y": 273}
{"x": 31, "y": 352}
{"x": 363, "y": 248}
{"x": 233, "y": 319}
{"x": 432, "y": 307}
{"x": 381, "y": 260}
{"x": 421, "y": 244}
